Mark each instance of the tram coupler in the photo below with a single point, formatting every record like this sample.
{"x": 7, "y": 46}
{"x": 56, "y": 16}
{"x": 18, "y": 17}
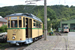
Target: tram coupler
{"x": 17, "y": 44}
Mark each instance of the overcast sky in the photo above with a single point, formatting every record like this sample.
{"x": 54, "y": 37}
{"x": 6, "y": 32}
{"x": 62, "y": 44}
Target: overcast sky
{"x": 49, "y": 2}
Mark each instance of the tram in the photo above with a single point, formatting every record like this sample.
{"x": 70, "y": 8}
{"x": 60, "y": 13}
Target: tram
{"x": 66, "y": 29}
{"x": 23, "y": 28}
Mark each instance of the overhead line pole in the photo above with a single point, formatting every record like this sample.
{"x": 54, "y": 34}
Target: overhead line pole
{"x": 45, "y": 20}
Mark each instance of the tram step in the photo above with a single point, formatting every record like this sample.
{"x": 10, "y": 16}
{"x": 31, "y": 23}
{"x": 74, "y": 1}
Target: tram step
{"x": 29, "y": 40}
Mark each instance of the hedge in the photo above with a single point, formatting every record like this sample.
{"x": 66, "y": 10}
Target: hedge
{"x": 3, "y": 28}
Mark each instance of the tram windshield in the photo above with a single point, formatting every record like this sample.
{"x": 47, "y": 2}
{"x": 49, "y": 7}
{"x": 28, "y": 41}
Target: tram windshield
{"x": 14, "y": 23}
{"x": 65, "y": 27}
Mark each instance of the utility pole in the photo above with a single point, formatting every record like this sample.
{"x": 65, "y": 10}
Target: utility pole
{"x": 45, "y": 20}
{"x": 60, "y": 17}
{"x": 61, "y": 23}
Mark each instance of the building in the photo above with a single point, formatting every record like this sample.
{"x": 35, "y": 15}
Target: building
{"x": 5, "y": 18}
{"x": 3, "y": 21}
{"x": 70, "y": 23}
{"x": 1, "y": 17}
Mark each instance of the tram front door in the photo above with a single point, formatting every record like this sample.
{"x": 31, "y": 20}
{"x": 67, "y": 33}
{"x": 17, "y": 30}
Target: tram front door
{"x": 28, "y": 28}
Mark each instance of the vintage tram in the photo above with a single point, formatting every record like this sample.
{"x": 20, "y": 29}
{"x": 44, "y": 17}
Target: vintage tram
{"x": 23, "y": 28}
{"x": 66, "y": 28}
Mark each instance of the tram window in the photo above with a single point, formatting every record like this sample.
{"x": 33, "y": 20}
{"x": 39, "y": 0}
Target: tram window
{"x": 8, "y": 24}
{"x": 39, "y": 25}
{"x": 36, "y": 24}
{"x": 19, "y": 17}
{"x": 11, "y": 23}
{"x": 23, "y": 22}
{"x": 20, "y": 23}
{"x": 65, "y": 27}
{"x": 14, "y": 23}
{"x": 34, "y": 21}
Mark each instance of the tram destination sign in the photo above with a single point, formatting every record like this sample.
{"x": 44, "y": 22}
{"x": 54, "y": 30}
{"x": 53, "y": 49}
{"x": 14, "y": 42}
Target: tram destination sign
{"x": 12, "y": 18}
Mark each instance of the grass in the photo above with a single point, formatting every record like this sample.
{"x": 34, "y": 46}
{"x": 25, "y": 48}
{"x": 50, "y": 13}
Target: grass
{"x": 1, "y": 32}
{"x": 3, "y": 45}
{"x": 53, "y": 34}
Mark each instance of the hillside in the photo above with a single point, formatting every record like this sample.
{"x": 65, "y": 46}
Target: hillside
{"x": 53, "y": 12}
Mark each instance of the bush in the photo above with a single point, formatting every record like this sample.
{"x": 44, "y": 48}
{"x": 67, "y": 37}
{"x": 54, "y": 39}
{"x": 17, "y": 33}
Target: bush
{"x": 3, "y": 28}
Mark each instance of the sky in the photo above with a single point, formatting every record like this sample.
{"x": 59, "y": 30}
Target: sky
{"x": 49, "y": 2}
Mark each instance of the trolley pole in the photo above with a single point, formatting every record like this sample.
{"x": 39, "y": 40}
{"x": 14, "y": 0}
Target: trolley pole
{"x": 45, "y": 20}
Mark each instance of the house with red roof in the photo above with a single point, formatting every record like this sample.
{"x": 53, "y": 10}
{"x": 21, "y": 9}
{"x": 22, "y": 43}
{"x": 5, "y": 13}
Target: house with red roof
{"x": 3, "y": 21}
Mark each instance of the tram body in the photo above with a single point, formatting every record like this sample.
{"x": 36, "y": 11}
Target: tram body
{"x": 23, "y": 28}
{"x": 66, "y": 29}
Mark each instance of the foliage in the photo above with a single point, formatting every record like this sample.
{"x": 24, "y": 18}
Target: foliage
{"x": 54, "y": 13}
{"x": 3, "y": 28}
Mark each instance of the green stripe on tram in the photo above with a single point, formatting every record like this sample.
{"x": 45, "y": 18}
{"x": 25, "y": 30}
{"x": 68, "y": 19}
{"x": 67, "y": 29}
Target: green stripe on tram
{"x": 36, "y": 28}
{"x": 16, "y": 28}
{"x": 24, "y": 28}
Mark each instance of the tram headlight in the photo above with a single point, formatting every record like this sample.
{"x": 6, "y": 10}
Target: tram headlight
{"x": 13, "y": 37}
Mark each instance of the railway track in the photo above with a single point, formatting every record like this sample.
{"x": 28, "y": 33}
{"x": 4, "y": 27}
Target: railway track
{"x": 58, "y": 34}
{"x": 66, "y": 44}
{"x": 14, "y": 47}
{"x": 21, "y": 47}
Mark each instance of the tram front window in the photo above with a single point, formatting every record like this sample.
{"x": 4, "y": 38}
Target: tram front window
{"x": 65, "y": 27}
{"x": 14, "y": 23}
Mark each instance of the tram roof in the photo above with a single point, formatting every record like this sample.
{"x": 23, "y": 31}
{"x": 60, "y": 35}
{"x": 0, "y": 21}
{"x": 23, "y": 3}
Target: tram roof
{"x": 25, "y": 14}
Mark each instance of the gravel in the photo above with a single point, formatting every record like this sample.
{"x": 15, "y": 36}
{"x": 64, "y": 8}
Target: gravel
{"x": 52, "y": 43}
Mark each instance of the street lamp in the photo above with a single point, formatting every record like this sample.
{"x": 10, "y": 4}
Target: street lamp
{"x": 45, "y": 20}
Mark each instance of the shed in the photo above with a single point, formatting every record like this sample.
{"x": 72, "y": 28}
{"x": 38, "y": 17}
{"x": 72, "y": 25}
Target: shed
{"x": 70, "y": 23}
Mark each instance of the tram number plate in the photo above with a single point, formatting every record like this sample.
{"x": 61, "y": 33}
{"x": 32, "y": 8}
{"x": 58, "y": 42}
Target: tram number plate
{"x": 13, "y": 18}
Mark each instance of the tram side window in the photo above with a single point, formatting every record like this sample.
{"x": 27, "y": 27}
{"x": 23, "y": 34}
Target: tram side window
{"x": 8, "y": 24}
{"x": 20, "y": 23}
{"x": 36, "y": 24}
{"x": 23, "y": 22}
{"x": 14, "y": 23}
{"x": 39, "y": 25}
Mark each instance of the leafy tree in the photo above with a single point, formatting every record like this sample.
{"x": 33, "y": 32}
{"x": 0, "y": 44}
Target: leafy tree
{"x": 54, "y": 13}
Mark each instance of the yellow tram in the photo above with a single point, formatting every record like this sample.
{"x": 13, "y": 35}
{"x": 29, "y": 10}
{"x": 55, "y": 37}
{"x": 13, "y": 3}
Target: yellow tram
{"x": 23, "y": 28}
